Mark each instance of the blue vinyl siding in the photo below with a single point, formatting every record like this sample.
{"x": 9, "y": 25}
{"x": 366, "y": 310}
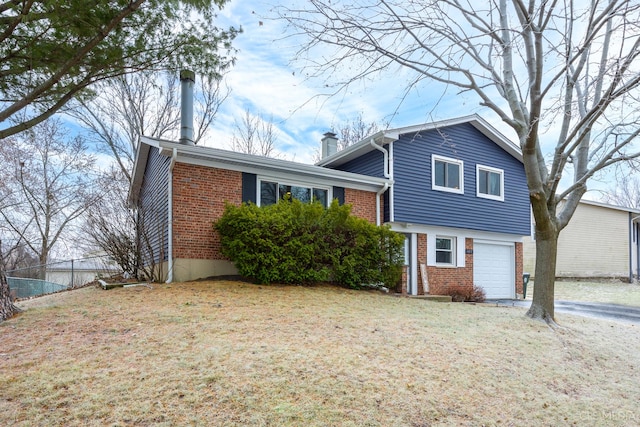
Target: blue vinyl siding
{"x": 416, "y": 202}
{"x": 153, "y": 210}
{"x": 371, "y": 164}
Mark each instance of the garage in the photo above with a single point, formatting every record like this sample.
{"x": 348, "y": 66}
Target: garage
{"x": 493, "y": 269}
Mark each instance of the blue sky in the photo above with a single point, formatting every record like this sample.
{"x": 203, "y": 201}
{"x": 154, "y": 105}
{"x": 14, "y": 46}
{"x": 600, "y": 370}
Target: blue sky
{"x": 265, "y": 81}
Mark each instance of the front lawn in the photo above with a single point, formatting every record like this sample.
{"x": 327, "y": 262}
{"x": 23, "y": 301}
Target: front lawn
{"x": 235, "y": 354}
{"x": 606, "y": 291}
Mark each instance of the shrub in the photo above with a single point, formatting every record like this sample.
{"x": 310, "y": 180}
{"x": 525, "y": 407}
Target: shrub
{"x": 461, "y": 293}
{"x": 295, "y": 242}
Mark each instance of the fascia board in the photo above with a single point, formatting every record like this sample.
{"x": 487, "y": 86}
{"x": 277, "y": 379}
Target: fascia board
{"x": 224, "y": 159}
{"x": 364, "y": 146}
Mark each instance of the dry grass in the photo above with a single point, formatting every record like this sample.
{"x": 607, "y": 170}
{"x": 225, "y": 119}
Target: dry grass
{"x": 605, "y": 291}
{"x": 235, "y": 354}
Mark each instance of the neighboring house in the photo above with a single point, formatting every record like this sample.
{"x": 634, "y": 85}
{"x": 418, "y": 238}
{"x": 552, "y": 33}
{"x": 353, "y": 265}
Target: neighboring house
{"x": 81, "y": 271}
{"x": 460, "y": 197}
{"x": 600, "y": 241}
{"x": 456, "y": 189}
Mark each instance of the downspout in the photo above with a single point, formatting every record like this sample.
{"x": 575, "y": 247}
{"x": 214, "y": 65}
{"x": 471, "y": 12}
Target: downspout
{"x": 633, "y": 234}
{"x": 392, "y": 215}
{"x": 174, "y": 156}
{"x": 385, "y": 172}
{"x": 384, "y": 188}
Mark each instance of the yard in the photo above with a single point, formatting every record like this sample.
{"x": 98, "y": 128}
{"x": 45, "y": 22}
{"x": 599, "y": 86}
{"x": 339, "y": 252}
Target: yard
{"x": 609, "y": 291}
{"x": 234, "y": 354}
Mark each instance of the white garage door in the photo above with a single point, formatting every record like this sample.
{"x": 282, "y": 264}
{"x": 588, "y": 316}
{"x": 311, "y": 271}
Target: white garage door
{"x": 493, "y": 269}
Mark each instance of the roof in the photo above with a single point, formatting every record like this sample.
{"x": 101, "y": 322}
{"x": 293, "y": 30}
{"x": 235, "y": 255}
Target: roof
{"x": 390, "y": 135}
{"x": 610, "y": 206}
{"x": 83, "y": 265}
{"x": 231, "y": 160}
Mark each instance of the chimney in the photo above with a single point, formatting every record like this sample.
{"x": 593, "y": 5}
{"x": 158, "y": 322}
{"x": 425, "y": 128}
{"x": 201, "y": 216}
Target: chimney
{"x": 187, "y": 79}
{"x": 329, "y": 144}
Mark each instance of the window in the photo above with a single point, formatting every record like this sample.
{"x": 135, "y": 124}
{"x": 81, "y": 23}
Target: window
{"x": 447, "y": 174}
{"x": 490, "y": 182}
{"x": 445, "y": 250}
{"x": 271, "y": 192}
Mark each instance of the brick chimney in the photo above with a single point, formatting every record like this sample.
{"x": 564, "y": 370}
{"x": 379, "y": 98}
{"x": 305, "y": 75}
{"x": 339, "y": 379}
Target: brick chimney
{"x": 329, "y": 144}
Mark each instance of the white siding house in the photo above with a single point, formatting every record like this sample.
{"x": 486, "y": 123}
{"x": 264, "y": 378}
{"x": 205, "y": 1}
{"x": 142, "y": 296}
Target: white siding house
{"x": 600, "y": 241}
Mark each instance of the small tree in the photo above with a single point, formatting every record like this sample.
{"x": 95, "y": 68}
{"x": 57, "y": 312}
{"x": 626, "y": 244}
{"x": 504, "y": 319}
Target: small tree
{"x": 112, "y": 223}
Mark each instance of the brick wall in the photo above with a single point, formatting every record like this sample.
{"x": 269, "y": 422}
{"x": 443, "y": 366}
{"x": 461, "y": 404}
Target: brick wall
{"x": 363, "y": 204}
{"x": 199, "y": 195}
{"x": 442, "y": 278}
{"x": 519, "y": 268}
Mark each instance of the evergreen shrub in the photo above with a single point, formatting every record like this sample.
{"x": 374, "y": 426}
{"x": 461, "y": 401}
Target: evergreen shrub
{"x": 303, "y": 243}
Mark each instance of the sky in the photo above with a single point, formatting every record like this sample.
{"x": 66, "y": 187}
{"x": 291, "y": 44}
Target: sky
{"x": 265, "y": 81}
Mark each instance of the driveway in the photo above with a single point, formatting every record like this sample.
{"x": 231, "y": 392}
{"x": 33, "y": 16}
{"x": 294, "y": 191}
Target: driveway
{"x": 621, "y": 313}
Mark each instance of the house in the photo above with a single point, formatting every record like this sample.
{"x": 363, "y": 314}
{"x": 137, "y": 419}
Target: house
{"x": 456, "y": 189}
{"x": 608, "y": 250}
{"x": 458, "y": 193}
{"x": 181, "y": 189}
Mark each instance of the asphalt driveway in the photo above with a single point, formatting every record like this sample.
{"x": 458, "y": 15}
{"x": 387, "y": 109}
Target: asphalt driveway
{"x": 621, "y": 313}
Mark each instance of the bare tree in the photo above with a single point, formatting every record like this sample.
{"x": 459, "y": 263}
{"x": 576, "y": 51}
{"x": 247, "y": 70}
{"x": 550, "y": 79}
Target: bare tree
{"x": 562, "y": 73}
{"x": 626, "y": 191}
{"x": 145, "y": 103}
{"x": 49, "y": 175}
{"x": 112, "y": 223}
{"x": 254, "y": 135}
{"x": 354, "y": 131}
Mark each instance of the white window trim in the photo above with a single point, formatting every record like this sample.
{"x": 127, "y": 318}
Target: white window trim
{"x": 494, "y": 170}
{"x": 454, "y": 255}
{"x": 435, "y": 157}
{"x": 279, "y": 182}
{"x": 459, "y": 253}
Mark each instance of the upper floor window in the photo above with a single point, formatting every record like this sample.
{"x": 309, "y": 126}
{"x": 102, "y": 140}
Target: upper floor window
{"x": 271, "y": 192}
{"x": 490, "y": 182}
{"x": 447, "y": 174}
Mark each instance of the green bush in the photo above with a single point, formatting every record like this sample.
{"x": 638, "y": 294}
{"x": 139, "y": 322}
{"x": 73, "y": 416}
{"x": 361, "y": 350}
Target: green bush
{"x": 302, "y": 243}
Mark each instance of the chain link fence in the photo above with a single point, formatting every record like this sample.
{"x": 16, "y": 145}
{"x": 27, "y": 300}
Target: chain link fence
{"x": 56, "y": 276}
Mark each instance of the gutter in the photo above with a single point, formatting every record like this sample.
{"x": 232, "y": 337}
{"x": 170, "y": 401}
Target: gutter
{"x": 174, "y": 156}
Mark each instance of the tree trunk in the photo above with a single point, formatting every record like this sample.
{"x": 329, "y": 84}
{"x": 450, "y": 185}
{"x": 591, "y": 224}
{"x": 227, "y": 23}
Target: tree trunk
{"x": 7, "y": 309}
{"x": 542, "y": 306}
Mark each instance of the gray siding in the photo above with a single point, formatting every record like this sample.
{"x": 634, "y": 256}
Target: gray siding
{"x": 416, "y": 202}
{"x": 153, "y": 209}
